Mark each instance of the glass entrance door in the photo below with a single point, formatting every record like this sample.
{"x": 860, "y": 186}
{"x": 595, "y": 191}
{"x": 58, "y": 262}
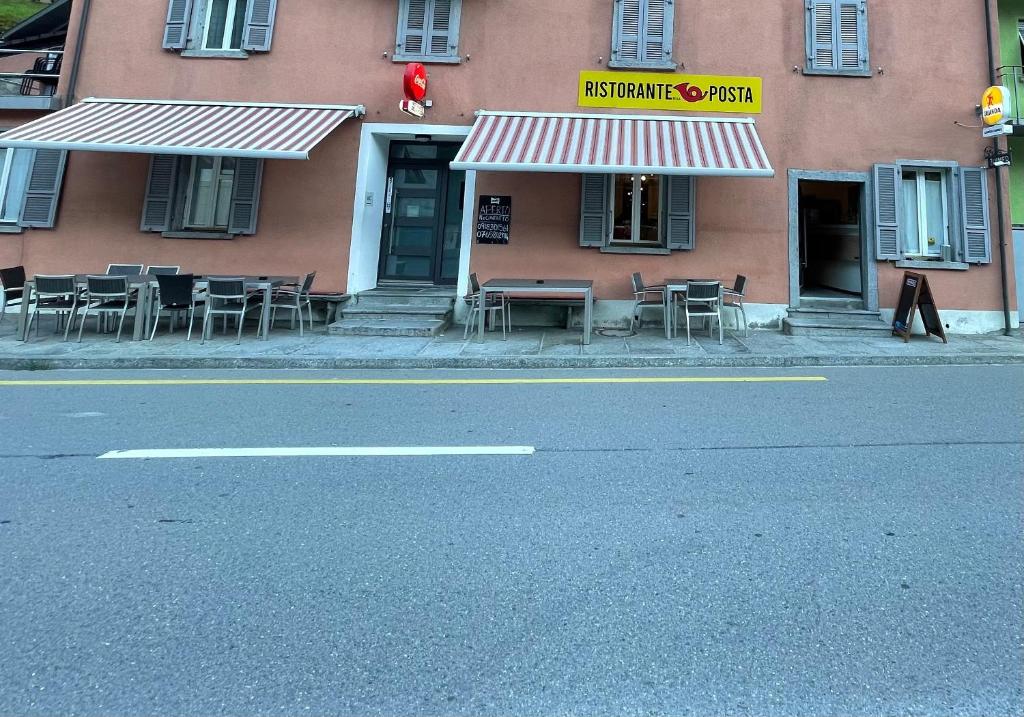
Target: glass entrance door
{"x": 422, "y": 215}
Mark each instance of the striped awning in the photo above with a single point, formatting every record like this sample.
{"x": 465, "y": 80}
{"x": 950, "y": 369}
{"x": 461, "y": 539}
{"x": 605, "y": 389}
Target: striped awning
{"x": 613, "y": 144}
{"x": 224, "y": 129}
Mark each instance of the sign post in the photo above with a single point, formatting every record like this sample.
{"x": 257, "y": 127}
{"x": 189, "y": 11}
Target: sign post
{"x": 916, "y": 294}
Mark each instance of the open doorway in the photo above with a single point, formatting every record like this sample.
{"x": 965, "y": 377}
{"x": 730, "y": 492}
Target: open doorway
{"x": 832, "y": 261}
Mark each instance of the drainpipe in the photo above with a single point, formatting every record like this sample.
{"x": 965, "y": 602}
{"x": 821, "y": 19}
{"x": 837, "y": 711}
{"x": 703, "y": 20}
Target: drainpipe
{"x": 999, "y": 176}
{"x": 79, "y": 44}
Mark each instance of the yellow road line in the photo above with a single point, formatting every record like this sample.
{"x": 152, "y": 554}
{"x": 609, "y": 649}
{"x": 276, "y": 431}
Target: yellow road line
{"x": 406, "y": 381}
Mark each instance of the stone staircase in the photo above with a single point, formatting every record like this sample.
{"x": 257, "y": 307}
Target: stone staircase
{"x": 833, "y": 317}
{"x": 397, "y": 310}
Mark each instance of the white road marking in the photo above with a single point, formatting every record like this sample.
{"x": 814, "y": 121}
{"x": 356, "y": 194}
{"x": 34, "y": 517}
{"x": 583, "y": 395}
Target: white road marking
{"x": 403, "y": 451}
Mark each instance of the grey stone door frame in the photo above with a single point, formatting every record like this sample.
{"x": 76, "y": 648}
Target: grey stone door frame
{"x": 868, "y": 267}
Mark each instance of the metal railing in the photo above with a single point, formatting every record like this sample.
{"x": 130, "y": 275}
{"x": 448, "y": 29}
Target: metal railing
{"x": 1012, "y": 77}
{"x": 38, "y": 79}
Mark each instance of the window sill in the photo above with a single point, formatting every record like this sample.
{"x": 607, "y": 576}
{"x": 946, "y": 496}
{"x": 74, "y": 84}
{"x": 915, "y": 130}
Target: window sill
{"x": 222, "y": 54}
{"x": 925, "y": 264}
{"x": 621, "y": 249}
{"x": 838, "y": 73}
{"x": 427, "y": 59}
{"x": 196, "y": 235}
{"x": 11, "y": 229}
{"x": 632, "y": 65}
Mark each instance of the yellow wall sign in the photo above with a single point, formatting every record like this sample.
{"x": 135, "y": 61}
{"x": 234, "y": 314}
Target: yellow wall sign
{"x": 995, "y": 105}
{"x": 660, "y": 91}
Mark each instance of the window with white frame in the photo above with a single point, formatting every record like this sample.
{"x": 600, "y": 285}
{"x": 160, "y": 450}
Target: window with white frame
{"x": 14, "y": 172}
{"x": 223, "y": 24}
{"x": 208, "y": 199}
{"x": 926, "y": 213}
{"x": 643, "y": 213}
{"x": 202, "y": 197}
{"x": 636, "y": 202}
{"x": 219, "y": 28}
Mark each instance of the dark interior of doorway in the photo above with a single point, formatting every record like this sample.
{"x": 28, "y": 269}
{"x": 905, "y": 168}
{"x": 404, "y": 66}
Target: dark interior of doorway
{"x": 831, "y": 233}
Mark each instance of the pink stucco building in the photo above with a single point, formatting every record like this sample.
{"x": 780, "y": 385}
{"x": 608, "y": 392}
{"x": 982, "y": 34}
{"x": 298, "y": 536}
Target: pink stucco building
{"x": 862, "y": 156}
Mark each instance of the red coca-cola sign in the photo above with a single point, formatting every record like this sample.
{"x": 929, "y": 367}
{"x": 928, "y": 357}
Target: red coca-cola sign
{"x": 415, "y": 81}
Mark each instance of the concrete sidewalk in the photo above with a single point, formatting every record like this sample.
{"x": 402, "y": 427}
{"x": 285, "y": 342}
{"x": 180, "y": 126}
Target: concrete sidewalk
{"x": 527, "y": 348}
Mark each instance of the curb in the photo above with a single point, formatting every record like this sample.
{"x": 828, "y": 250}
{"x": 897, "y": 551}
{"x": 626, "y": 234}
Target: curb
{"x": 53, "y": 363}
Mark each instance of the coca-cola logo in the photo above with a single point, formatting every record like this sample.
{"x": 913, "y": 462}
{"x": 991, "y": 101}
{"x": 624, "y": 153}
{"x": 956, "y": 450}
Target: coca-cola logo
{"x": 414, "y": 81}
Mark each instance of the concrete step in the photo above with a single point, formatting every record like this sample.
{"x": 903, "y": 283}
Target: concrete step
{"x": 421, "y": 297}
{"x": 403, "y": 299}
{"x": 831, "y": 303}
{"x": 396, "y": 311}
{"x": 387, "y": 327}
{"x": 849, "y": 326}
{"x": 803, "y": 313}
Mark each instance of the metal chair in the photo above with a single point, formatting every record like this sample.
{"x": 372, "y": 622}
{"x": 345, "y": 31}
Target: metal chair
{"x": 106, "y": 295}
{"x": 124, "y": 269}
{"x": 734, "y": 297}
{"x": 227, "y": 297}
{"x": 292, "y": 300}
{"x": 641, "y": 302}
{"x": 495, "y": 305}
{"x": 12, "y": 280}
{"x": 704, "y": 300}
{"x": 57, "y": 295}
{"x": 175, "y": 293}
{"x": 157, "y": 270}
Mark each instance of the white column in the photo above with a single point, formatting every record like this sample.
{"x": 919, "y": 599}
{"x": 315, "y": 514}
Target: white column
{"x": 468, "y": 215}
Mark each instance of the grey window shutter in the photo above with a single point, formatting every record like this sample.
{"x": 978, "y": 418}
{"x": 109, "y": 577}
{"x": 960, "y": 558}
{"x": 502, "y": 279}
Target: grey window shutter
{"x": 626, "y": 34}
{"x": 887, "y": 211}
{"x": 852, "y": 36}
{"x": 444, "y": 28}
{"x": 821, "y": 34}
{"x": 974, "y": 214}
{"x": 679, "y": 213}
{"x": 158, "y": 205}
{"x": 412, "y": 27}
{"x": 42, "y": 193}
{"x": 594, "y": 226}
{"x": 658, "y": 28}
{"x": 245, "y": 196}
{"x": 259, "y": 25}
{"x": 179, "y": 16}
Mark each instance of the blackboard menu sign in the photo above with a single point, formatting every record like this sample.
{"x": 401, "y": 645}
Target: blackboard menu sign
{"x": 494, "y": 220}
{"x": 915, "y": 294}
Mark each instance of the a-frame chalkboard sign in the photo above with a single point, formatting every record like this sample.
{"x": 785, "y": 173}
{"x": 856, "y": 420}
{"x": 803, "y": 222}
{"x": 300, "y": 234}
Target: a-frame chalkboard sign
{"x": 915, "y": 294}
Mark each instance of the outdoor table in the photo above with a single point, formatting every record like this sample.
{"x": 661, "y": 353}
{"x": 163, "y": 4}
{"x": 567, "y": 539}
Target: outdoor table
{"x": 580, "y": 287}
{"x": 672, "y": 287}
{"x": 146, "y": 284}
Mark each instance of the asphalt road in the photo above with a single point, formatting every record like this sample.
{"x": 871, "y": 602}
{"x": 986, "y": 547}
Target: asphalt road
{"x": 847, "y": 546}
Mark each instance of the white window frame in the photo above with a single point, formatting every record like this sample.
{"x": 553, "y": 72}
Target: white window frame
{"x": 922, "y": 213}
{"x": 229, "y": 26}
{"x": 634, "y": 239}
{"x": 190, "y": 193}
{"x": 5, "y": 179}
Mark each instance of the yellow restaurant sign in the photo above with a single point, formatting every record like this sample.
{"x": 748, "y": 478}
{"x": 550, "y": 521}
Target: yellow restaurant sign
{"x": 660, "y": 91}
{"x": 995, "y": 105}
